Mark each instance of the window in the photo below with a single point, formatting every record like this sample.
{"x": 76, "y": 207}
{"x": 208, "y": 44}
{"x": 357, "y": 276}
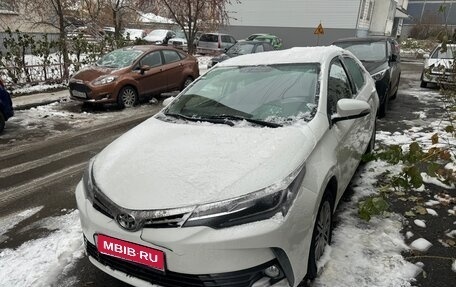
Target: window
{"x": 259, "y": 48}
{"x": 152, "y": 60}
{"x": 355, "y": 71}
{"x": 362, "y": 10}
{"x": 171, "y": 56}
{"x": 228, "y": 39}
{"x": 338, "y": 86}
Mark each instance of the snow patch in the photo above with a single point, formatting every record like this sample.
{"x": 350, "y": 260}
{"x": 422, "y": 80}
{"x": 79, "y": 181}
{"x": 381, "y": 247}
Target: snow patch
{"x": 409, "y": 234}
{"x": 421, "y": 244}
{"x": 8, "y": 222}
{"x": 420, "y": 223}
{"x": 432, "y": 212}
{"x": 453, "y": 266}
{"x": 43, "y": 260}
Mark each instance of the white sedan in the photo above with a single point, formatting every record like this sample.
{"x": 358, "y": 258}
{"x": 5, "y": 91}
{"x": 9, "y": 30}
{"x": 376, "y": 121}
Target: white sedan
{"x": 439, "y": 66}
{"x": 235, "y": 182}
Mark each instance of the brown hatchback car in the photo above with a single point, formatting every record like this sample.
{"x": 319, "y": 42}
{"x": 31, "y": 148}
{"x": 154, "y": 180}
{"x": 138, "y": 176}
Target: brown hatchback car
{"x": 124, "y": 75}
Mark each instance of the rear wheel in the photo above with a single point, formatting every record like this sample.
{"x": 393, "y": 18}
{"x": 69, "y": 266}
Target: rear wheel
{"x": 127, "y": 98}
{"x": 321, "y": 236}
{"x": 2, "y": 122}
{"x": 423, "y": 83}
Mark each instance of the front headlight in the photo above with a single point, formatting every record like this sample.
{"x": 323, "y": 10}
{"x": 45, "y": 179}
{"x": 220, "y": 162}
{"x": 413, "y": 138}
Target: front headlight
{"x": 103, "y": 80}
{"x": 259, "y": 205}
{"x": 379, "y": 75}
{"x": 87, "y": 180}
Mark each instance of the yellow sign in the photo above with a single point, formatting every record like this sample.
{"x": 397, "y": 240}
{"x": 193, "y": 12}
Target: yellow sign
{"x": 319, "y": 30}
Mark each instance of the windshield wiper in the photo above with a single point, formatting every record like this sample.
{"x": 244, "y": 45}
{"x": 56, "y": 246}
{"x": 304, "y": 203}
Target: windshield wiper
{"x": 239, "y": 118}
{"x": 193, "y": 119}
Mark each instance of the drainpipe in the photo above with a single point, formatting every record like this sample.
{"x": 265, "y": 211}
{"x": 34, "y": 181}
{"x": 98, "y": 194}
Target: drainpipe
{"x": 422, "y": 11}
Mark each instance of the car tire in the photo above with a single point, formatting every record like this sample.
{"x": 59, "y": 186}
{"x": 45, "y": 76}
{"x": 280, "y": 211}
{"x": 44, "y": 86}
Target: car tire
{"x": 322, "y": 233}
{"x": 127, "y": 97}
{"x": 2, "y": 122}
{"x": 423, "y": 84}
{"x": 187, "y": 82}
{"x": 371, "y": 145}
{"x": 383, "y": 106}
{"x": 394, "y": 96}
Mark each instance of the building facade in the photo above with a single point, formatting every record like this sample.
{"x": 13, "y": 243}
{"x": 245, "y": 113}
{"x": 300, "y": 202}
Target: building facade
{"x": 295, "y": 21}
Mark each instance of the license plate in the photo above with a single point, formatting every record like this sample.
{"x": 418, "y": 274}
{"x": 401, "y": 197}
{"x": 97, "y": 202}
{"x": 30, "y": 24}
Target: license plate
{"x": 132, "y": 252}
{"x": 78, "y": 94}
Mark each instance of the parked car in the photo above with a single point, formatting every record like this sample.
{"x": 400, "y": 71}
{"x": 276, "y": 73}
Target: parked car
{"x": 159, "y": 37}
{"x": 214, "y": 43}
{"x": 133, "y": 34}
{"x": 439, "y": 67}
{"x": 125, "y": 75}
{"x": 246, "y": 165}
{"x": 242, "y": 48}
{"x": 6, "y": 106}
{"x": 381, "y": 57}
{"x": 179, "y": 41}
{"x": 275, "y": 41}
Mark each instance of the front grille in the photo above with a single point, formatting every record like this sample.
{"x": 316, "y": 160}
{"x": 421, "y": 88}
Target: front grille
{"x": 243, "y": 278}
{"x": 79, "y": 87}
{"x": 157, "y": 221}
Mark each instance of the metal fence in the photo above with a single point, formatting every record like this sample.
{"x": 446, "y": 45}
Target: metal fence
{"x": 36, "y": 36}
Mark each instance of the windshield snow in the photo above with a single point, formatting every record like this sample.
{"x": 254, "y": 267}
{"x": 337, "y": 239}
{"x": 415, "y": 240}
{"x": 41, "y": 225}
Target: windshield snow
{"x": 119, "y": 58}
{"x": 280, "y": 94}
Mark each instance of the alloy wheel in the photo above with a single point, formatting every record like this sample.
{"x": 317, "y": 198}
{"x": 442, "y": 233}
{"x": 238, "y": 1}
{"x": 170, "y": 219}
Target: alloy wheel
{"x": 322, "y": 238}
{"x": 128, "y": 97}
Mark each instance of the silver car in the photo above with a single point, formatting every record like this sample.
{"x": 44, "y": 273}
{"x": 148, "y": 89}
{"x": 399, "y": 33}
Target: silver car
{"x": 214, "y": 43}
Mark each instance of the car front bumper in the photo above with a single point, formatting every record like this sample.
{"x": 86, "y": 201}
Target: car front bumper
{"x": 95, "y": 94}
{"x": 201, "y": 254}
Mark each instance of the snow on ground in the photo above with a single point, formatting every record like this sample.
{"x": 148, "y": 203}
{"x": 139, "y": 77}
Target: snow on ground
{"x": 40, "y": 262}
{"x": 420, "y": 223}
{"x": 421, "y": 244}
{"x": 6, "y": 223}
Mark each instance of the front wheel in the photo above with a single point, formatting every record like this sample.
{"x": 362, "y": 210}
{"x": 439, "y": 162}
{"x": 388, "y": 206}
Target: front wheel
{"x": 423, "y": 84}
{"x": 383, "y": 106}
{"x": 371, "y": 145}
{"x": 321, "y": 236}
{"x": 127, "y": 98}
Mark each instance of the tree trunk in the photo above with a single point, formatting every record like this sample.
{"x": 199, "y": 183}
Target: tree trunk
{"x": 63, "y": 42}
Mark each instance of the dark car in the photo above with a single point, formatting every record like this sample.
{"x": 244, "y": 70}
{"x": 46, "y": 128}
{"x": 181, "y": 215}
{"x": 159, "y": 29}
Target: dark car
{"x": 6, "y": 106}
{"x": 125, "y": 75}
{"x": 380, "y": 56}
{"x": 242, "y": 48}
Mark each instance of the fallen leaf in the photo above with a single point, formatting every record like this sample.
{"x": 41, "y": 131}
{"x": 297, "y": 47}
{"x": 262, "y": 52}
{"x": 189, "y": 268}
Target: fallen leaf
{"x": 410, "y": 214}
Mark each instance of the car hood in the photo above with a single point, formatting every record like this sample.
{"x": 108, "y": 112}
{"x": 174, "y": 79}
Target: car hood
{"x": 154, "y": 38}
{"x": 375, "y": 67}
{"x": 160, "y": 165}
{"x": 436, "y": 62}
{"x": 91, "y": 73}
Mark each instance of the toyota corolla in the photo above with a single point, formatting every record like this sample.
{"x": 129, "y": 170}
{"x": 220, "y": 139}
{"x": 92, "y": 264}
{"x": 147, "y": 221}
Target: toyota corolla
{"x": 235, "y": 182}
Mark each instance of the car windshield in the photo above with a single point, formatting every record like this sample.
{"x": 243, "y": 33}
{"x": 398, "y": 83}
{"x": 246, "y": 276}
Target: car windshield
{"x": 448, "y": 54}
{"x": 240, "y": 49}
{"x": 278, "y": 94}
{"x": 119, "y": 58}
{"x": 366, "y": 51}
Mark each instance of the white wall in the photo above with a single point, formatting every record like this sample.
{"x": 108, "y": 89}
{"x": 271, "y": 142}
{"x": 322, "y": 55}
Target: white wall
{"x": 341, "y": 14}
{"x": 383, "y": 17}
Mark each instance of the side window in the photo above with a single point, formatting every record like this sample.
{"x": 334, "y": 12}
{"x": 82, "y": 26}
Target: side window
{"x": 233, "y": 40}
{"x": 355, "y": 71}
{"x": 259, "y": 48}
{"x": 225, "y": 39}
{"x": 152, "y": 60}
{"x": 170, "y": 56}
{"x": 338, "y": 86}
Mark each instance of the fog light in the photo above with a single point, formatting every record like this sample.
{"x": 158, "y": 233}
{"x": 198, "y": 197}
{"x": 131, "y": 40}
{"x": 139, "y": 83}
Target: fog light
{"x": 272, "y": 271}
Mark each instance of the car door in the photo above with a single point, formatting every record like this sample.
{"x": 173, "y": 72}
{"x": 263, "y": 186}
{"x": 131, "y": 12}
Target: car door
{"x": 172, "y": 69}
{"x": 346, "y": 132}
{"x": 153, "y": 79}
{"x": 394, "y": 63}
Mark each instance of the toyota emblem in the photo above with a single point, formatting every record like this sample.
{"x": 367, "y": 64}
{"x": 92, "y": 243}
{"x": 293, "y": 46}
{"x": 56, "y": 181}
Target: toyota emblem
{"x": 127, "y": 221}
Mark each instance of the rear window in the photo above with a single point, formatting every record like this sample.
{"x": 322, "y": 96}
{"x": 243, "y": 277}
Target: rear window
{"x": 209, "y": 38}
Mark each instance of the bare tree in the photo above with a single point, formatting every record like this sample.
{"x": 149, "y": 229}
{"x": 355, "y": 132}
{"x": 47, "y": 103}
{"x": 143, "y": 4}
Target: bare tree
{"x": 196, "y": 15}
{"x": 53, "y": 13}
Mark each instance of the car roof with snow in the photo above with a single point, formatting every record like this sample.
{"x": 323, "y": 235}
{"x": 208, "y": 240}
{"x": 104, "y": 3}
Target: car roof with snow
{"x": 288, "y": 56}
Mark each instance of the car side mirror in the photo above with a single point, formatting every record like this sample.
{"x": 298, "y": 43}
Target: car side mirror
{"x": 349, "y": 109}
{"x": 143, "y": 69}
{"x": 167, "y": 101}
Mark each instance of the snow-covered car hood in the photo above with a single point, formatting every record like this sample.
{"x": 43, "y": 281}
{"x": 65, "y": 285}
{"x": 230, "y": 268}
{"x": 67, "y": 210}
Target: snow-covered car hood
{"x": 93, "y": 72}
{"x": 447, "y": 63}
{"x": 160, "y": 165}
{"x": 155, "y": 38}
{"x": 182, "y": 40}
